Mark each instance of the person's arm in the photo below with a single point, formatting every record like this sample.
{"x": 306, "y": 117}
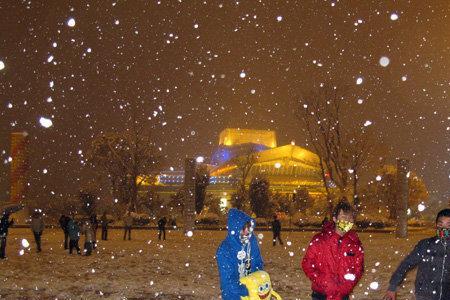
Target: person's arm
{"x": 309, "y": 266}
{"x": 229, "y": 278}
{"x": 407, "y": 264}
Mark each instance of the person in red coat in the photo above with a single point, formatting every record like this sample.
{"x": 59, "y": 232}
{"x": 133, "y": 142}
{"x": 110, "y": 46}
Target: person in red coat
{"x": 334, "y": 260}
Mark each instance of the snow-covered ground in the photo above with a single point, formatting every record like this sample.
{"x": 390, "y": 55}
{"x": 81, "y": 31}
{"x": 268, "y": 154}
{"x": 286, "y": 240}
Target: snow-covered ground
{"x": 178, "y": 268}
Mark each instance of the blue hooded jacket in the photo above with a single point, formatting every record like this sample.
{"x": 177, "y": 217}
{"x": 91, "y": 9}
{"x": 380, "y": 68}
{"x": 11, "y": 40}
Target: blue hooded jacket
{"x": 227, "y": 256}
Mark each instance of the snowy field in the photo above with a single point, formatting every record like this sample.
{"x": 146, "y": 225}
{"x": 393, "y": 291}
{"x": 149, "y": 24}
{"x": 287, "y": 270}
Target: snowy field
{"x": 179, "y": 268}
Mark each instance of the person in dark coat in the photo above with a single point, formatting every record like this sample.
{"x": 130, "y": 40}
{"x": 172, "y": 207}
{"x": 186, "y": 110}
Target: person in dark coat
{"x": 431, "y": 256}
{"x": 104, "y": 222}
{"x": 74, "y": 235}
{"x": 63, "y": 222}
{"x": 276, "y": 230}
{"x": 5, "y": 223}
{"x": 334, "y": 260}
{"x": 37, "y": 226}
{"x": 238, "y": 255}
{"x": 162, "y": 228}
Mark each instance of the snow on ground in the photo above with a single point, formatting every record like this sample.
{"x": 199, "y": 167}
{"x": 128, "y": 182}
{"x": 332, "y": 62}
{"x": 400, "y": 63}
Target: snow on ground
{"x": 178, "y": 268}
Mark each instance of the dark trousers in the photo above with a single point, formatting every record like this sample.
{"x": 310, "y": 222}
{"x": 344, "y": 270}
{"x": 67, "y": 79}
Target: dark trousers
{"x": 88, "y": 247}
{"x": 277, "y": 235}
{"x": 127, "y": 229}
{"x": 73, "y": 244}
{"x": 162, "y": 231}
{"x": 104, "y": 233}
{"x": 318, "y": 296}
{"x": 66, "y": 239}
{"x": 2, "y": 247}
{"x": 37, "y": 239}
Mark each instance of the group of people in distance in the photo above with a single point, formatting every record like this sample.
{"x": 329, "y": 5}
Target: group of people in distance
{"x": 73, "y": 229}
{"x": 334, "y": 259}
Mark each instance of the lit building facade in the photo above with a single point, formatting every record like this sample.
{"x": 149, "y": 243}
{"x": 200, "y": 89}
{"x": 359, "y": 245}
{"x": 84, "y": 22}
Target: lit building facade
{"x": 288, "y": 168}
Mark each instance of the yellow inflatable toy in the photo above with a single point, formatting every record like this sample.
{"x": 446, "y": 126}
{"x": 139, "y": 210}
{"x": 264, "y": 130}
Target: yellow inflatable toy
{"x": 259, "y": 286}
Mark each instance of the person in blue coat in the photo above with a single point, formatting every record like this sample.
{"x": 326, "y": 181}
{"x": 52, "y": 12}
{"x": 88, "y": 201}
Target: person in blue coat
{"x": 238, "y": 255}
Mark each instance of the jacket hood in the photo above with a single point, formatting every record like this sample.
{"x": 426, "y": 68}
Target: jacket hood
{"x": 236, "y": 221}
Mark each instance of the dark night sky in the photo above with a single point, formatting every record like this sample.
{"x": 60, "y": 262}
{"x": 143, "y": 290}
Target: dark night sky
{"x": 187, "y": 57}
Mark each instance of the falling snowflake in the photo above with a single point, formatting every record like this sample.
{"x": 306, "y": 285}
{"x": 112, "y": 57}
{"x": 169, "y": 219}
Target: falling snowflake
{"x": 359, "y": 80}
{"x": 2, "y": 65}
{"x": 350, "y": 277}
{"x": 46, "y": 123}
{"x": 374, "y": 285}
{"x": 394, "y": 17}
{"x": 242, "y": 75}
{"x": 367, "y": 123}
{"x": 25, "y": 243}
{"x": 279, "y": 18}
{"x": 384, "y": 61}
{"x": 71, "y": 22}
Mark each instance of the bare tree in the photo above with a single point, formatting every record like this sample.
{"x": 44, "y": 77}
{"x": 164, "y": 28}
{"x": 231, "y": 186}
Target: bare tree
{"x": 338, "y": 141}
{"x": 244, "y": 165}
{"x": 126, "y": 158}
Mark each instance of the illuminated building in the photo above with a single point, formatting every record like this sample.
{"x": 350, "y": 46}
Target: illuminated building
{"x": 288, "y": 168}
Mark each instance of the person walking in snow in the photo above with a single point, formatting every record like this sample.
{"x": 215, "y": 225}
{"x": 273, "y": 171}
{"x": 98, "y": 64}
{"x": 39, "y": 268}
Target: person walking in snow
{"x": 431, "y": 256}
{"x": 238, "y": 255}
{"x": 104, "y": 221}
{"x": 74, "y": 235}
{"x": 5, "y": 223}
{"x": 162, "y": 228}
{"x": 127, "y": 223}
{"x": 276, "y": 230}
{"x": 94, "y": 225}
{"x": 334, "y": 260}
{"x": 37, "y": 226}
{"x": 89, "y": 234}
{"x": 63, "y": 222}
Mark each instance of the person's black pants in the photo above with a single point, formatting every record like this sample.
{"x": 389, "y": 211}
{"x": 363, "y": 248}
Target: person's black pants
{"x": 163, "y": 233}
{"x": 104, "y": 233}
{"x": 88, "y": 248}
{"x": 277, "y": 235}
{"x": 127, "y": 229}
{"x": 318, "y": 296}
{"x": 37, "y": 239}
{"x": 73, "y": 244}
{"x": 2, "y": 247}
{"x": 66, "y": 240}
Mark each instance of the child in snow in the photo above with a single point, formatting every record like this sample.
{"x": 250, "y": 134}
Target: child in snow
{"x": 238, "y": 255}
{"x": 334, "y": 260}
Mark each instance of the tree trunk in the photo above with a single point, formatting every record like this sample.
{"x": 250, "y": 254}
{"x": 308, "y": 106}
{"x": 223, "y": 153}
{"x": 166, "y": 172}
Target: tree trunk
{"x": 402, "y": 198}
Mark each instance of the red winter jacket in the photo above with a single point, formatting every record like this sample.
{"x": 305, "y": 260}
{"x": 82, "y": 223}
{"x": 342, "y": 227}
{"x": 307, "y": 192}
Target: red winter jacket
{"x": 333, "y": 263}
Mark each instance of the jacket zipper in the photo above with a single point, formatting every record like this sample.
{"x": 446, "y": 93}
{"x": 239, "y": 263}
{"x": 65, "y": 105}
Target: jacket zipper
{"x": 443, "y": 267}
